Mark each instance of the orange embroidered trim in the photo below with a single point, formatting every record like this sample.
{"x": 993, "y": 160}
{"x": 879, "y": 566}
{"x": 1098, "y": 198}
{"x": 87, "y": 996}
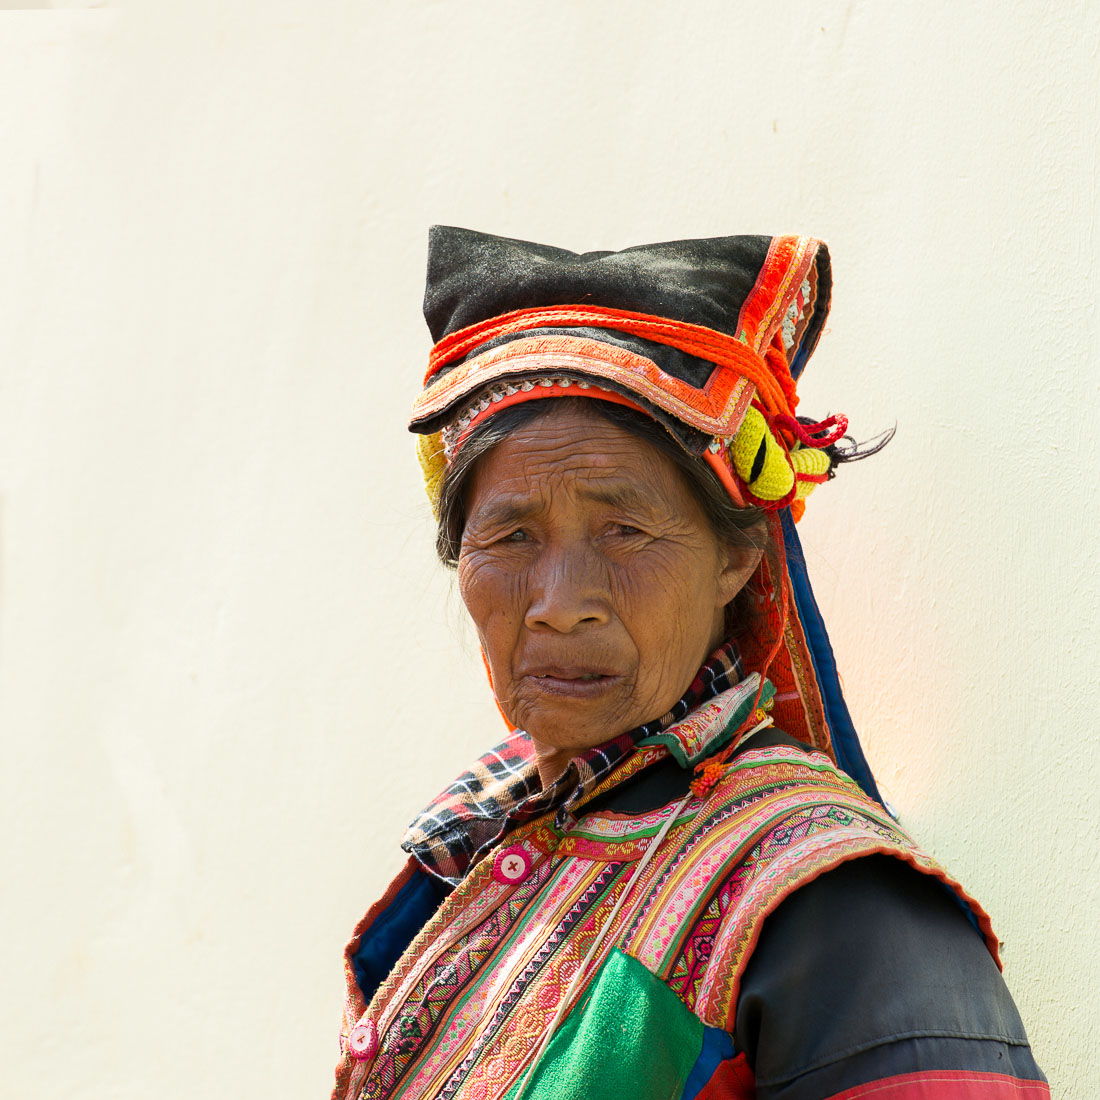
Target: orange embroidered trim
{"x": 778, "y": 393}
{"x": 716, "y": 409}
{"x": 789, "y": 262}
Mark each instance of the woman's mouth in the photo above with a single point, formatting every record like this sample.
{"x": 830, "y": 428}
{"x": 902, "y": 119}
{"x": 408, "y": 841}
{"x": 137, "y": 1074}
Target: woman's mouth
{"x": 572, "y": 683}
{"x": 583, "y": 676}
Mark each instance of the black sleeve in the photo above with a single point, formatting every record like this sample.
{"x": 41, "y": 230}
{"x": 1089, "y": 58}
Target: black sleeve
{"x": 871, "y": 972}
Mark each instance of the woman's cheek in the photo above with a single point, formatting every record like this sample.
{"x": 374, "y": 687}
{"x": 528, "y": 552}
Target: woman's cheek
{"x": 491, "y": 591}
{"x": 477, "y": 576}
{"x": 652, "y": 583}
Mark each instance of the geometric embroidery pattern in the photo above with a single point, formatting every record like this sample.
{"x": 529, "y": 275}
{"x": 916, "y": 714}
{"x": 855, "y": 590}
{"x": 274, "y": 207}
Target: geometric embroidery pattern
{"x": 469, "y": 1002}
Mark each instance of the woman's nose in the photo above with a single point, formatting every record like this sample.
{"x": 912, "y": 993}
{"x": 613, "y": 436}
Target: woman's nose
{"x": 568, "y": 590}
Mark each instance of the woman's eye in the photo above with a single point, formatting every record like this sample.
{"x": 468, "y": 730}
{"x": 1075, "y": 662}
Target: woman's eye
{"x": 627, "y": 529}
{"x": 515, "y": 536}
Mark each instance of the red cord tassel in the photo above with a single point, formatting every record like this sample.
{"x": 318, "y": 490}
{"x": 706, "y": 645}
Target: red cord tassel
{"x": 810, "y": 435}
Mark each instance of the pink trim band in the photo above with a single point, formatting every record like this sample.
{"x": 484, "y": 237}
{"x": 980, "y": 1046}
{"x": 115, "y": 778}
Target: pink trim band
{"x": 948, "y": 1085}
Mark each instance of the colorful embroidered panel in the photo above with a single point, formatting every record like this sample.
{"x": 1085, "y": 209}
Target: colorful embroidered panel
{"x": 470, "y": 1001}
{"x": 711, "y": 725}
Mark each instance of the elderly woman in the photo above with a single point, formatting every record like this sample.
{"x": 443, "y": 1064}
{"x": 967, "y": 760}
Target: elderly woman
{"x": 675, "y": 877}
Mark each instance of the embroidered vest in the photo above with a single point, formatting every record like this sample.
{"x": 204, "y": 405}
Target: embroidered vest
{"x": 468, "y": 1003}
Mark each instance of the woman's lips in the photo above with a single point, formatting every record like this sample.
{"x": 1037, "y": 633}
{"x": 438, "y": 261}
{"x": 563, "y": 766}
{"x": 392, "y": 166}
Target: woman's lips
{"x": 578, "y": 683}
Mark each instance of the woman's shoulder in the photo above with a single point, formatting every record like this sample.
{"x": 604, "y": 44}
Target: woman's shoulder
{"x": 780, "y": 818}
{"x": 872, "y": 972}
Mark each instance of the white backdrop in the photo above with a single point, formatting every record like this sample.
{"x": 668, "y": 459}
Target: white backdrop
{"x": 230, "y": 670}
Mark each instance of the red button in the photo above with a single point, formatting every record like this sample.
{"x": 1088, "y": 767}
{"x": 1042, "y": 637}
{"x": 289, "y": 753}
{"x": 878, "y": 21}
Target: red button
{"x": 363, "y": 1040}
{"x": 511, "y": 865}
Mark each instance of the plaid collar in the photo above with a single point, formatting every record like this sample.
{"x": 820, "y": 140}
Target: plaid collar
{"x": 502, "y": 789}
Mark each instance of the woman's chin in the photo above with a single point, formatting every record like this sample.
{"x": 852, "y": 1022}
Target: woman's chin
{"x": 575, "y": 722}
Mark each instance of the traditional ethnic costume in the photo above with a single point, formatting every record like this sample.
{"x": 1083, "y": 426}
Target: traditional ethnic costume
{"x": 704, "y": 907}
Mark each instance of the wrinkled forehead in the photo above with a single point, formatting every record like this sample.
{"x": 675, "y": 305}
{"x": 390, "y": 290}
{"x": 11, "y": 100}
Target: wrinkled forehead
{"x": 569, "y": 452}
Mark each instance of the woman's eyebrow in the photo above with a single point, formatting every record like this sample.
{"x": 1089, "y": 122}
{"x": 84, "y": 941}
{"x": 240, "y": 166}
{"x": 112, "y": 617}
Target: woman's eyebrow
{"x": 505, "y": 511}
{"x": 625, "y": 496}
{"x": 517, "y": 509}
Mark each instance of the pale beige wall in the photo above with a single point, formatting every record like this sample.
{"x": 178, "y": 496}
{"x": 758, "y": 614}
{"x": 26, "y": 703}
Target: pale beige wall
{"x": 229, "y": 669}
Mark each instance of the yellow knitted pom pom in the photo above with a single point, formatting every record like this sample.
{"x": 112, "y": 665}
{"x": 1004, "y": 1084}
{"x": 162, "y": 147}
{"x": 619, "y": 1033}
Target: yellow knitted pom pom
{"x": 809, "y": 460}
{"x": 775, "y": 479}
{"x": 433, "y": 464}
{"x": 747, "y": 442}
{"x": 811, "y": 463}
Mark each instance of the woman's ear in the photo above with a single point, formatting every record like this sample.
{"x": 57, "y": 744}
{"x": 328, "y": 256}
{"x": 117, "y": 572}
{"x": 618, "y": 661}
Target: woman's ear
{"x": 739, "y": 562}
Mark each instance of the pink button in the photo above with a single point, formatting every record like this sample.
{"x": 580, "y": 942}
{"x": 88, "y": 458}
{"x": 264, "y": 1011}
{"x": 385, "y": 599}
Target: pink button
{"x": 511, "y": 865}
{"x": 363, "y": 1040}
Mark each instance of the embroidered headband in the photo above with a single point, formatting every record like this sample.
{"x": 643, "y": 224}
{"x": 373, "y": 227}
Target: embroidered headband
{"x": 738, "y": 318}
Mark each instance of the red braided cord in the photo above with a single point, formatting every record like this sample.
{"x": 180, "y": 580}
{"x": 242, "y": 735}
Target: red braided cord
{"x": 775, "y": 388}
{"x": 810, "y": 434}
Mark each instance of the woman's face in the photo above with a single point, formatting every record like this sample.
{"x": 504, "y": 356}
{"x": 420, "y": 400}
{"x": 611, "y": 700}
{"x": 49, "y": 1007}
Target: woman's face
{"x": 595, "y": 581}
